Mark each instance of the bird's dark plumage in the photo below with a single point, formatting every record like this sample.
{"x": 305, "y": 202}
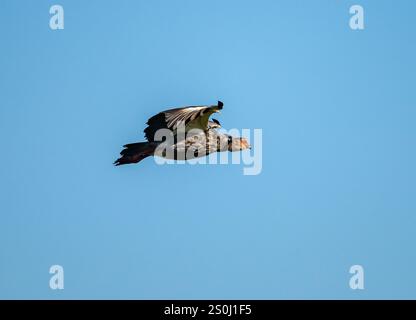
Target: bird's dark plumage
{"x": 135, "y": 152}
{"x": 192, "y": 117}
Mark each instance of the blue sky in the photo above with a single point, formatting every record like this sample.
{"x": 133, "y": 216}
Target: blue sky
{"x": 337, "y": 110}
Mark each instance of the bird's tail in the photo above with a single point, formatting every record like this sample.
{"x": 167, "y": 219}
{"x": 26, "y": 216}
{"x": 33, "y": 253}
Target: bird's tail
{"x": 135, "y": 152}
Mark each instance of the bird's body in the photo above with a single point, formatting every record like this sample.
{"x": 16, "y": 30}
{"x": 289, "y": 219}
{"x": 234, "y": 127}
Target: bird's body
{"x": 194, "y": 146}
{"x": 190, "y": 135}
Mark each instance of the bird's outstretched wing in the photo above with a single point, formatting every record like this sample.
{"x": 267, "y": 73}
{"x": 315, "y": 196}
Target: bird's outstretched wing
{"x": 194, "y": 117}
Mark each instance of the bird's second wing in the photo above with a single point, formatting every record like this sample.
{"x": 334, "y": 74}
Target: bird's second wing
{"x": 194, "y": 117}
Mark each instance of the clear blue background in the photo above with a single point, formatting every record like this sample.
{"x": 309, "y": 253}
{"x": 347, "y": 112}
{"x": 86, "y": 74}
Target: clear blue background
{"x": 337, "y": 109}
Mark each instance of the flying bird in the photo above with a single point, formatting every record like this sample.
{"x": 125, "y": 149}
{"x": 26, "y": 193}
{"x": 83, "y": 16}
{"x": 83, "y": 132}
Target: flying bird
{"x": 200, "y": 139}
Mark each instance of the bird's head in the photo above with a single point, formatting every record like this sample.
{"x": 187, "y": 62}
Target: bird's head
{"x": 237, "y": 144}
